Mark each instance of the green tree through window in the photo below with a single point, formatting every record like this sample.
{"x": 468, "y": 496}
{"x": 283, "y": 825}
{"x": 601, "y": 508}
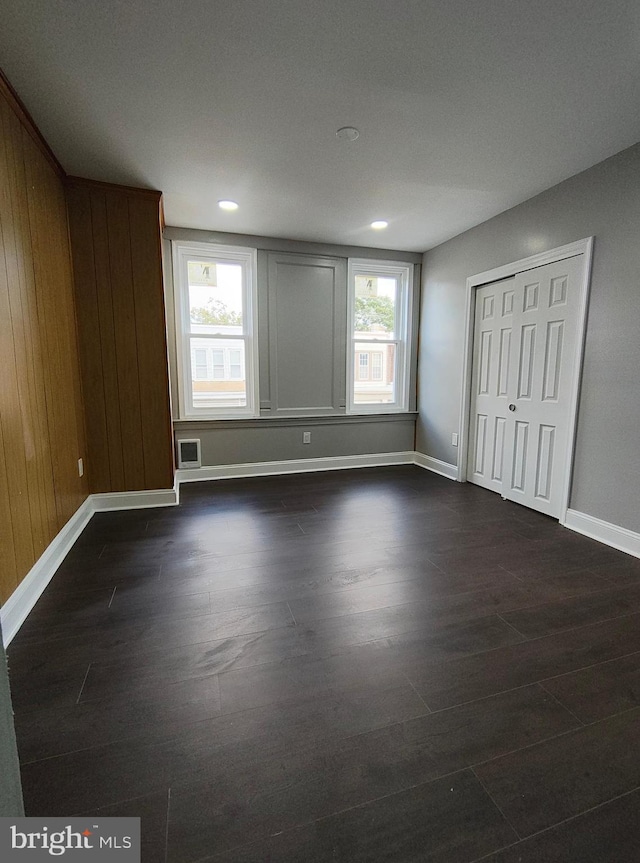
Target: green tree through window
{"x": 374, "y": 313}
{"x": 215, "y": 312}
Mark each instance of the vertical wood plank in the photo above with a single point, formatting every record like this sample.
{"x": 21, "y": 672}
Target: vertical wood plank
{"x": 37, "y": 449}
{"x": 107, "y": 338}
{"x": 97, "y": 461}
{"x": 126, "y": 343}
{"x": 54, "y": 291}
{"x": 41, "y": 415}
{"x": 118, "y": 273}
{"x": 8, "y": 565}
{"x": 47, "y": 312}
{"x": 11, "y": 411}
{"x": 70, "y": 488}
{"x": 15, "y": 264}
{"x": 151, "y": 338}
{"x": 8, "y": 553}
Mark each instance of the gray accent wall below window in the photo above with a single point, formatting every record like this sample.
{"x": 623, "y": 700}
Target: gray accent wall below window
{"x": 263, "y": 441}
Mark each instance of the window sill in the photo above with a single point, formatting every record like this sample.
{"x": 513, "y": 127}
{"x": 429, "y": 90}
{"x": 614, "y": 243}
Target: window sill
{"x": 293, "y": 421}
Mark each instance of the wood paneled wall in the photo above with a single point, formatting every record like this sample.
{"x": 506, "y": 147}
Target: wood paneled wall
{"x": 116, "y": 246}
{"x": 41, "y": 415}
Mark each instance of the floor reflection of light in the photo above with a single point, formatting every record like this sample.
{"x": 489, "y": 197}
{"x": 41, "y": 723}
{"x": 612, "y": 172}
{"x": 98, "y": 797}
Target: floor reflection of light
{"x": 374, "y": 508}
{"x": 236, "y": 532}
{"x": 205, "y": 523}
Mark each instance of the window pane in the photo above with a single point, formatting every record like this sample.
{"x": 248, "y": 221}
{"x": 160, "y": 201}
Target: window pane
{"x": 227, "y": 387}
{"x": 235, "y": 365}
{"x": 375, "y": 305}
{"x": 376, "y": 386}
{"x": 200, "y": 363}
{"x": 218, "y": 365}
{"x": 363, "y": 362}
{"x": 376, "y": 366}
{"x": 215, "y": 297}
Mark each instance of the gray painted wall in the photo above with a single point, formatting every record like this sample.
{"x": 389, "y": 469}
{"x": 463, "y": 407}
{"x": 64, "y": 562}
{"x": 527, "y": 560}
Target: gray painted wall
{"x": 239, "y": 443}
{"x": 10, "y": 788}
{"x": 603, "y": 202}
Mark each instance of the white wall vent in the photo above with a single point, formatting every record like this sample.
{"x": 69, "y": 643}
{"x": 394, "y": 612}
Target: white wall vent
{"x": 189, "y": 453}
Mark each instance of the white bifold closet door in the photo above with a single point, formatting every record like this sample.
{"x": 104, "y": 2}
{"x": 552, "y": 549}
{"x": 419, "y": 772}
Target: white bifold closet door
{"x": 524, "y": 352}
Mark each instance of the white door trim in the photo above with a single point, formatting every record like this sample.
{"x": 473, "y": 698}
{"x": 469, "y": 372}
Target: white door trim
{"x": 580, "y": 247}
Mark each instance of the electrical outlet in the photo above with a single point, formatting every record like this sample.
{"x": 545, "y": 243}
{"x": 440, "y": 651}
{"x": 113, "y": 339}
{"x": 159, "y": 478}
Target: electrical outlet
{"x": 80, "y": 467}
{"x": 454, "y": 439}
{"x": 306, "y": 437}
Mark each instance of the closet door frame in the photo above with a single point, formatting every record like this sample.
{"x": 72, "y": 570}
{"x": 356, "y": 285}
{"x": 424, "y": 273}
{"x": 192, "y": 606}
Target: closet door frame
{"x": 580, "y": 247}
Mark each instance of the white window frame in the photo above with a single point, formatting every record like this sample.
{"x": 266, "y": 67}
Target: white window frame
{"x": 402, "y": 337}
{"x": 247, "y": 258}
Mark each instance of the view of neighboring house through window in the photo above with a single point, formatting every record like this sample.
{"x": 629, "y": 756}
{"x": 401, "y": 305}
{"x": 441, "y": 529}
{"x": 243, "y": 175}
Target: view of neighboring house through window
{"x": 379, "y": 312}
{"x": 215, "y": 306}
{"x": 376, "y": 366}
{"x": 200, "y": 364}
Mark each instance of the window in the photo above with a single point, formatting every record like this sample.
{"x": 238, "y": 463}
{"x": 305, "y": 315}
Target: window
{"x": 218, "y": 365}
{"x": 200, "y": 361}
{"x": 364, "y": 367}
{"x": 215, "y": 313}
{"x": 376, "y": 366}
{"x": 235, "y": 365}
{"x": 379, "y": 328}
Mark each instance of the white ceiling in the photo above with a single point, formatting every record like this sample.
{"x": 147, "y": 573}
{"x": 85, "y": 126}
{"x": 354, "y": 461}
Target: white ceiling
{"x": 465, "y": 107}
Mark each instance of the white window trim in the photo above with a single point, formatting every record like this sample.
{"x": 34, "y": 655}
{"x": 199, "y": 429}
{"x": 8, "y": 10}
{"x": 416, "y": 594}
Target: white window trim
{"x": 402, "y": 340}
{"x": 181, "y": 252}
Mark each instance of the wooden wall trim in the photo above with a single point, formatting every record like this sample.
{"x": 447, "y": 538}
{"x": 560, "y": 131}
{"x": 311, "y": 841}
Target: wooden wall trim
{"x": 114, "y": 187}
{"x": 19, "y": 109}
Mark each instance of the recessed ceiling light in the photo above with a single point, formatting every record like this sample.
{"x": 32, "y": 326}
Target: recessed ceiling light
{"x": 227, "y": 205}
{"x": 347, "y": 133}
{"x": 379, "y": 225}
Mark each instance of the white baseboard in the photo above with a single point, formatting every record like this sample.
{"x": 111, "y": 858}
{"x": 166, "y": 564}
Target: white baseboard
{"x": 436, "y": 466}
{"x": 610, "y": 534}
{"x": 117, "y": 500}
{"x": 303, "y": 465}
{"x": 15, "y": 610}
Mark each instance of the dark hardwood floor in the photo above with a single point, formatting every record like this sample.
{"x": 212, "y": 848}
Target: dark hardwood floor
{"x": 365, "y": 665}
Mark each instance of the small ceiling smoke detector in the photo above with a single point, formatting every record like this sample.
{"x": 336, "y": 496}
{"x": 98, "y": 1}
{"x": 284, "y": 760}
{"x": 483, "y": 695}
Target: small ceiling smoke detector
{"x": 347, "y": 133}
{"x": 379, "y": 225}
{"x": 227, "y": 205}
